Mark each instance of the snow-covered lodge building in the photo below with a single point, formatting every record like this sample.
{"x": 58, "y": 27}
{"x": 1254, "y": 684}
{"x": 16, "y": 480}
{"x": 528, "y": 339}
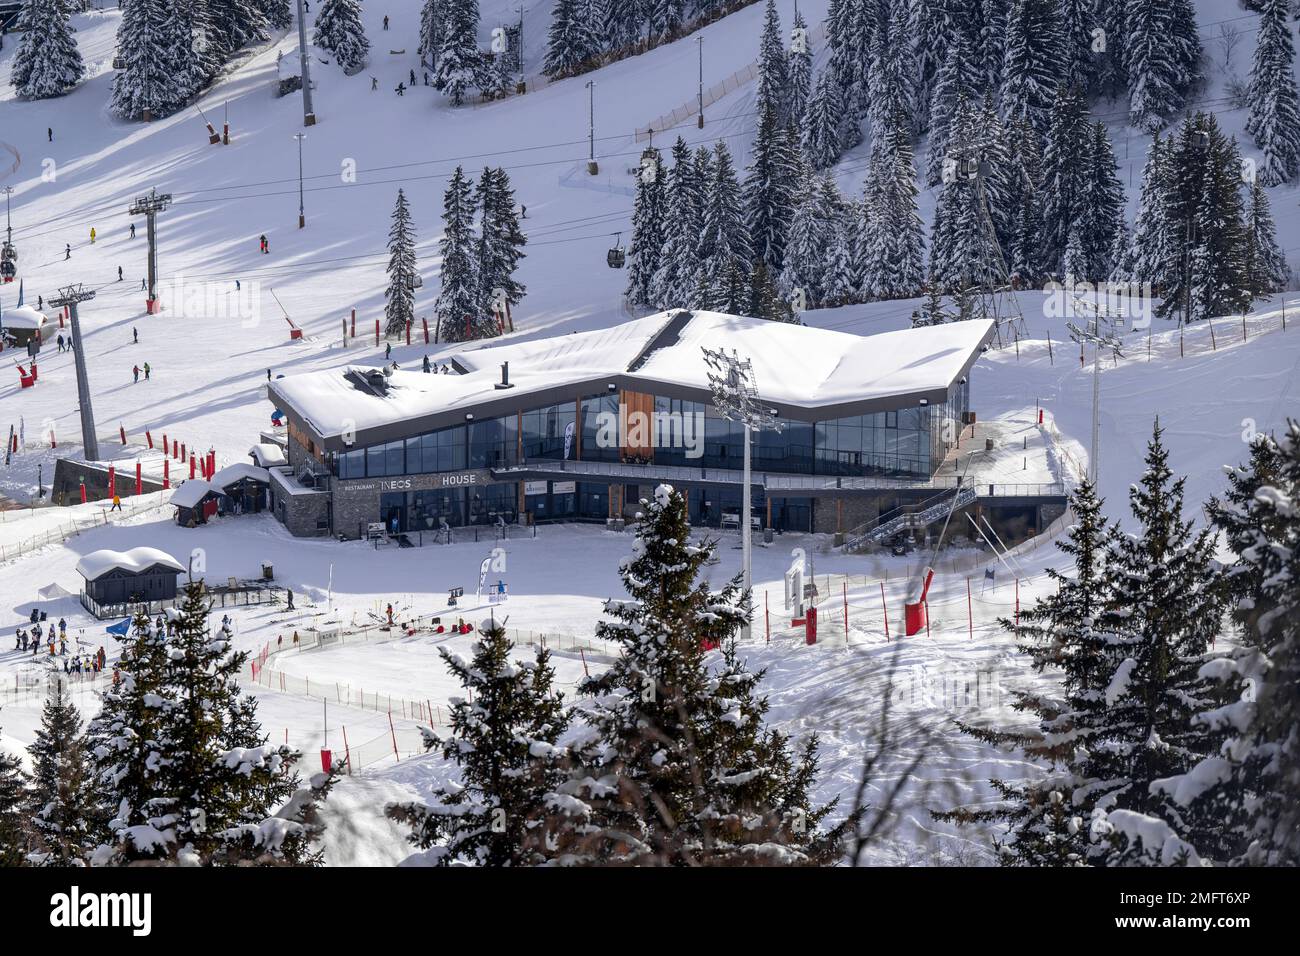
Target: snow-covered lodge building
{"x": 580, "y": 427}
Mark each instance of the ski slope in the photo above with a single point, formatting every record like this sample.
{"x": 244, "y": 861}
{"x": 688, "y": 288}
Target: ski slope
{"x": 209, "y": 369}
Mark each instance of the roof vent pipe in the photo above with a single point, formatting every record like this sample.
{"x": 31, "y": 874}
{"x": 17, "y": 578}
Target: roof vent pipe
{"x": 505, "y": 376}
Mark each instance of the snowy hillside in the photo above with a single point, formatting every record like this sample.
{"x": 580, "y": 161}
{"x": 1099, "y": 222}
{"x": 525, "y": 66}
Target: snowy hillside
{"x": 76, "y": 167}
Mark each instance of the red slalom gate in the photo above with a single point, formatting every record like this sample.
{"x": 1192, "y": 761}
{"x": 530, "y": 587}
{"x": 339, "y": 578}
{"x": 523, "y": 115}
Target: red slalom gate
{"x": 139, "y": 480}
{"x": 914, "y": 615}
{"x": 167, "y": 473}
{"x": 810, "y": 626}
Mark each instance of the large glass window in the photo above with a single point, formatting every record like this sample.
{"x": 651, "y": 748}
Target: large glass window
{"x": 544, "y": 431}
{"x": 600, "y": 444}
{"x": 385, "y": 460}
{"x": 493, "y": 443}
{"x": 351, "y": 464}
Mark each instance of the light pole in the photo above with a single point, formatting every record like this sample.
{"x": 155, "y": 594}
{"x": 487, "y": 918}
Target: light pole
{"x": 1099, "y": 341}
{"x": 592, "y": 167}
{"x": 735, "y": 395}
{"x": 302, "y": 216}
{"x": 308, "y": 114}
{"x": 700, "y": 42}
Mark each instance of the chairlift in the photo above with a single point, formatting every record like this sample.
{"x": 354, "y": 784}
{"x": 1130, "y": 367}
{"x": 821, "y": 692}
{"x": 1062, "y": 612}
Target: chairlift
{"x": 8, "y": 262}
{"x": 617, "y": 256}
{"x": 417, "y": 281}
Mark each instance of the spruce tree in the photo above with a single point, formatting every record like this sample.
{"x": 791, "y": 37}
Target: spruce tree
{"x": 678, "y": 274}
{"x": 62, "y": 802}
{"x": 432, "y": 30}
{"x": 188, "y": 777}
{"x": 339, "y": 30}
{"x": 770, "y": 188}
{"x": 724, "y": 237}
{"x": 460, "y": 64}
{"x": 1274, "y": 117}
{"x": 893, "y": 254}
{"x": 773, "y": 68}
{"x": 1155, "y": 248}
{"x": 892, "y": 74}
{"x": 1163, "y": 609}
{"x": 459, "y": 304}
{"x": 764, "y": 300}
{"x": 276, "y": 13}
{"x": 678, "y": 767}
{"x": 571, "y": 43}
{"x": 13, "y": 812}
{"x": 232, "y": 25}
{"x": 959, "y": 81}
{"x": 1059, "y": 634}
{"x": 1103, "y": 211}
{"x": 648, "y": 227}
{"x": 47, "y": 62}
{"x": 1030, "y": 69}
{"x": 500, "y": 242}
{"x": 146, "y": 85}
{"x": 1161, "y": 55}
{"x": 503, "y": 743}
{"x": 399, "y": 308}
{"x": 1025, "y": 220}
{"x": 1066, "y": 174}
{"x": 931, "y": 311}
{"x": 811, "y": 229}
{"x": 1265, "y": 265}
{"x": 820, "y": 131}
{"x": 799, "y": 68}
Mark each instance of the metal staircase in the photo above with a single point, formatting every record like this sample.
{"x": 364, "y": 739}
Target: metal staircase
{"x": 909, "y": 518}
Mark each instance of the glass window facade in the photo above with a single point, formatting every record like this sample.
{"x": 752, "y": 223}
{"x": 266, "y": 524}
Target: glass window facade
{"x": 907, "y": 442}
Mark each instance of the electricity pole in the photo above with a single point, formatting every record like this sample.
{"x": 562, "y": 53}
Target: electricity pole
{"x": 9, "y": 226}
{"x": 308, "y": 114}
{"x": 592, "y": 168}
{"x": 522, "y": 79}
{"x": 735, "y": 396}
{"x": 149, "y": 206}
{"x": 70, "y": 296}
{"x": 302, "y": 216}
{"x": 700, "y": 42}
{"x": 1099, "y": 341}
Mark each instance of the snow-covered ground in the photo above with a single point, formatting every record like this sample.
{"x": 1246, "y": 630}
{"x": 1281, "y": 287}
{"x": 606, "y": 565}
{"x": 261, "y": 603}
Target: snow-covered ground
{"x": 209, "y": 369}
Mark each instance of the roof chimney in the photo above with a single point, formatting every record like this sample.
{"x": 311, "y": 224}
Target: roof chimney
{"x": 505, "y": 376}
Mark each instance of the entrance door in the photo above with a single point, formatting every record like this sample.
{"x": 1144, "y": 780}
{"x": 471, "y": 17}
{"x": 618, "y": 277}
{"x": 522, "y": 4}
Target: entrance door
{"x": 392, "y": 509}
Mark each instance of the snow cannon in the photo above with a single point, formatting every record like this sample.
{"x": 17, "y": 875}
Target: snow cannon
{"x": 914, "y": 614}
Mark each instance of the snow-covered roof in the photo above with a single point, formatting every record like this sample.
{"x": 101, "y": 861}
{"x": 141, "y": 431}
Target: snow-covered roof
{"x": 810, "y": 373}
{"x": 240, "y": 470}
{"x": 268, "y": 455}
{"x": 98, "y": 563}
{"x": 22, "y": 317}
{"x": 191, "y": 492}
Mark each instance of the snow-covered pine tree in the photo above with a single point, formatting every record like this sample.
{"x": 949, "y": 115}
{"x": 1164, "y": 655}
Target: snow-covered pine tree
{"x": 820, "y": 130}
{"x": 678, "y": 275}
{"x": 62, "y": 799}
{"x": 1032, "y": 63}
{"x": 1080, "y": 62}
{"x": 893, "y": 254}
{"x": 1265, "y": 264}
{"x": 678, "y": 767}
{"x": 13, "y": 812}
{"x": 1162, "y": 51}
{"x": 992, "y": 41}
{"x": 1025, "y": 219}
{"x": 812, "y": 228}
{"x": 959, "y": 80}
{"x": 1153, "y": 254}
{"x": 232, "y": 25}
{"x": 1164, "y": 606}
{"x": 500, "y": 242}
{"x": 146, "y": 85}
{"x": 1059, "y": 634}
{"x": 960, "y": 240}
{"x": 1074, "y": 264}
{"x": 664, "y": 18}
{"x": 648, "y": 227}
{"x": 276, "y": 13}
{"x": 773, "y": 68}
{"x": 503, "y": 745}
{"x": 194, "y": 52}
{"x": 799, "y": 68}
{"x": 931, "y": 311}
{"x": 460, "y": 64}
{"x": 892, "y": 74}
{"x": 571, "y": 43}
{"x": 770, "y": 188}
{"x": 724, "y": 249}
{"x": 844, "y": 66}
{"x": 1274, "y": 107}
{"x": 838, "y": 282}
{"x": 1262, "y": 524}
{"x": 47, "y": 62}
{"x": 1065, "y": 174}
{"x": 930, "y": 30}
{"x": 1110, "y": 64}
{"x": 1103, "y": 211}
{"x": 764, "y": 301}
{"x": 399, "y": 298}
{"x": 460, "y": 309}
{"x": 339, "y": 30}
{"x": 431, "y": 33}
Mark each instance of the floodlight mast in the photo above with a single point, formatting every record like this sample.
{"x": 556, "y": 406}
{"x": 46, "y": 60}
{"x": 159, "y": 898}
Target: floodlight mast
{"x": 735, "y": 396}
{"x": 1099, "y": 340}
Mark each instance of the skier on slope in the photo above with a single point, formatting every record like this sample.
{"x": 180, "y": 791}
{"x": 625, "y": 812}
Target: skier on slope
{"x": 147, "y": 370}
{"x": 132, "y": 230}
{"x": 426, "y": 364}
{"x": 67, "y": 250}
{"x": 92, "y": 235}
{"x": 135, "y": 371}
{"x": 135, "y": 335}
{"x": 119, "y": 273}
{"x": 388, "y": 351}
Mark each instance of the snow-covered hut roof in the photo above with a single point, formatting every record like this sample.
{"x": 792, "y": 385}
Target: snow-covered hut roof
{"x": 224, "y": 477}
{"x": 22, "y": 317}
{"x": 191, "y": 492}
{"x": 807, "y": 374}
{"x": 268, "y": 455}
{"x": 98, "y": 563}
